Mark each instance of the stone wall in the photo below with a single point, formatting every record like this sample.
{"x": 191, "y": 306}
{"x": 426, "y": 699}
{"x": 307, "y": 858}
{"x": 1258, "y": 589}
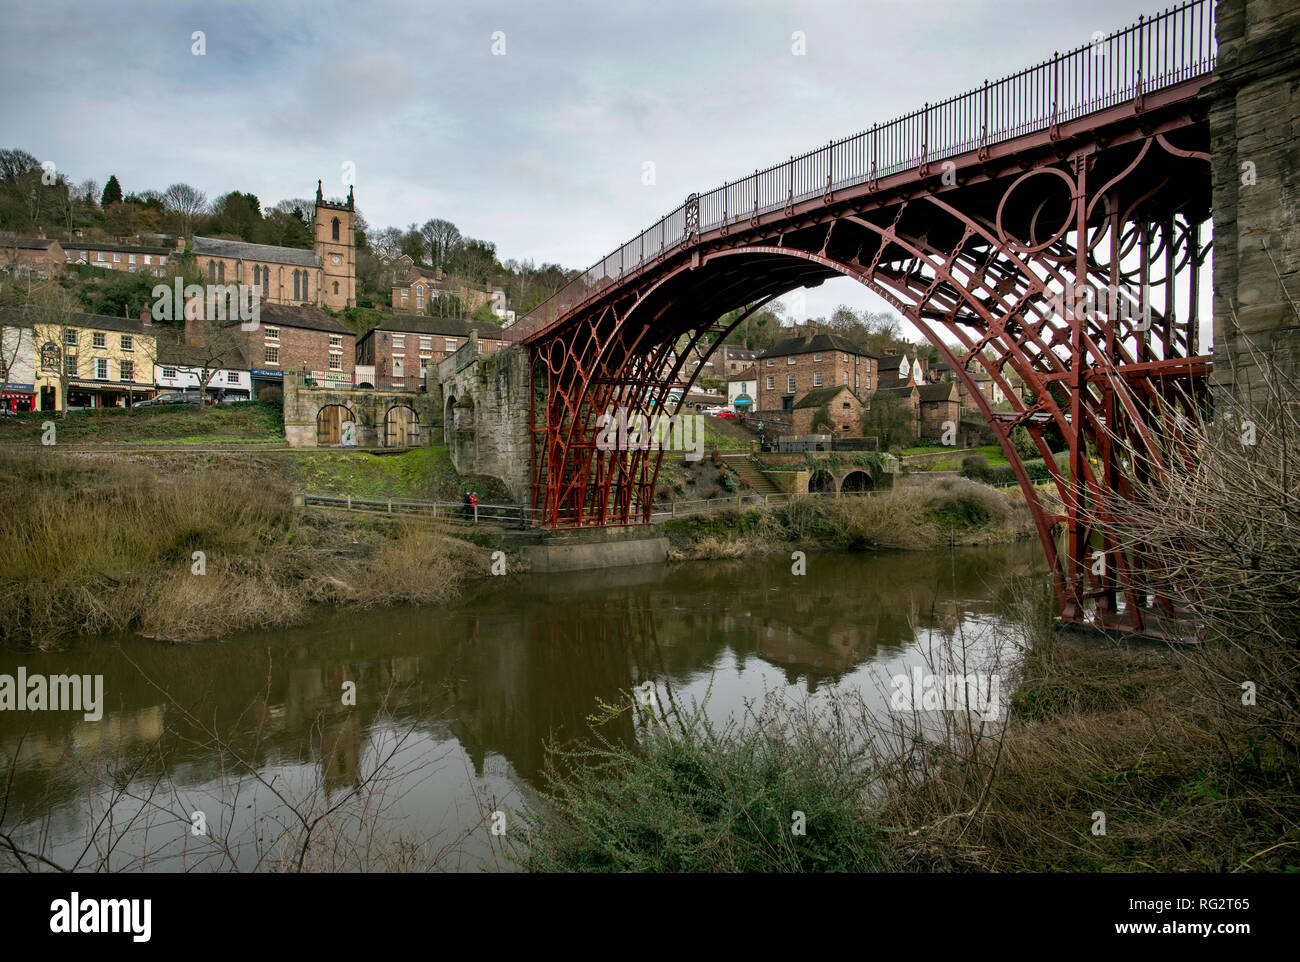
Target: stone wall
{"x": 1255, "y": 143}
{"x": 302, "y": 404}
{"x": 487, "y": 399}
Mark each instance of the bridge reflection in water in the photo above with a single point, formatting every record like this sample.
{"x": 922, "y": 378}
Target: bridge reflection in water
{"x": 486, "y": 683}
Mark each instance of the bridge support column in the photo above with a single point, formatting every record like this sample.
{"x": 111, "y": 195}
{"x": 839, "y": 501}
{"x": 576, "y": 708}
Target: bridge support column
{"x": 1255, "y": 142}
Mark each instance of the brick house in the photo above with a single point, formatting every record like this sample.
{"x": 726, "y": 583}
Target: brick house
{"x": 120, "y": 257}
{"x": 937, "y": 405}
{"x": 896, "y": 370}
{"x": 793, "y": 367}
{"x": 403, "y": 347}
{"x": 843, "y": 406}
{"x": 742, "y": 388}
{"x": 416, "y": 288}
{"x": 294, "y": 338}
{"x": 38, "y": 255}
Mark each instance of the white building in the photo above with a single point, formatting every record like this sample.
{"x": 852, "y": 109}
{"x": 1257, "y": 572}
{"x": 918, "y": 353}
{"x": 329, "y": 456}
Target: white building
{"x": 17, "y": 369}
{"x": 742, "y": 389}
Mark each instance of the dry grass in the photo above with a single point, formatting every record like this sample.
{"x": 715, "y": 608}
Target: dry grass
{"x": 101, "y": 545}
{"x": 925, "y": 516}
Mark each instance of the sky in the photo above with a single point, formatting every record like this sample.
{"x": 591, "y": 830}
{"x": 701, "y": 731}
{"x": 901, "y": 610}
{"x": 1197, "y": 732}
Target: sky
{"x": 528, "y": 124}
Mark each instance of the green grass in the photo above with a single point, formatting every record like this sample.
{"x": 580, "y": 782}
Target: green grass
{"x": 178, "y": 424}
{"x": 421, "y": 473}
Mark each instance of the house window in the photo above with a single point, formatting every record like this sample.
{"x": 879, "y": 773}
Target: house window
{"x": 934, "y": 425}
{"x": 424, "y": 366}
{"x": 169, "y": 372}
{"x": 405, "y": 293}
{"x": 272, "y": 354}
{"x": 817, "y": 378}
{"x": 426, "y": 344}
{"x": 70, "y": 338}
{"x": 336, "y": 340}
{"x": 70, "y": 365}
{"x": 770, "y": 362}
{"x": 148, "y": 259}
{"x": 336, "y": 361}
{"x": 790, "y": 359}
{"x": 117, "y": 258}
{"x": 399, "y": 364}
{"x": 272, "y": 333}
{"x": 868, "y": 381}
{"x": 99, "y": 340}
{"x": 128, "y": 370}
{"x": 789, "y": 382}
{"x": 399, "y": 340}
{"x": 846, "y": 378}
{"x": 101, "y": 368}
{"x": 451, "y": 344}
{"x": 100, "y": 257}
{"x": 771, "y": 383}
{"x": 130, "y": 258}
{"x": 844, "y": 358}
{"x": 128, "y": 342}
{"x": 817, "y": 356}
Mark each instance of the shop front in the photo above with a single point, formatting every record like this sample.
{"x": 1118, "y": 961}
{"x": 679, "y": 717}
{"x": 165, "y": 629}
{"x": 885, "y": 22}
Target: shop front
{"x": 18, "y": 398}
{"x": 263, "y": 378}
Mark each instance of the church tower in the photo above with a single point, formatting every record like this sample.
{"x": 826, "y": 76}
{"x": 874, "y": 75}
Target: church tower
{"x": 334, "y": 226}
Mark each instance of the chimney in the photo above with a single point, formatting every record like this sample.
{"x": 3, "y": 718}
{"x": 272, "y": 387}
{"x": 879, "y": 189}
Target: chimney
{"x": 194, "y": 328}
{"x": 145, "y": 320}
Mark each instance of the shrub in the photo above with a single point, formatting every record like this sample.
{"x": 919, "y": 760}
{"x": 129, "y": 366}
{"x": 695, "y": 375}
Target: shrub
{"x": 695, "y": 798}
{"x": 975, "y": 466}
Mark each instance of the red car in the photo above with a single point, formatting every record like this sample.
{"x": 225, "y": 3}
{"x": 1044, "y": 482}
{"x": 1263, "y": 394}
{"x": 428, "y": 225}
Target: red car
{"x": 725, "y": 414}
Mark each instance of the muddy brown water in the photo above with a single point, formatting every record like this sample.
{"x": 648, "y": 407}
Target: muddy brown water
{"x": 466, "y": 698}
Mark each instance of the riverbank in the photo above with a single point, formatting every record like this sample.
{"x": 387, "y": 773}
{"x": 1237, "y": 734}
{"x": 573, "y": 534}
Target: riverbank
{"x": 949, "y": 511}
{"x": 1110, "y": 759}
{"x": 211, "y": 546}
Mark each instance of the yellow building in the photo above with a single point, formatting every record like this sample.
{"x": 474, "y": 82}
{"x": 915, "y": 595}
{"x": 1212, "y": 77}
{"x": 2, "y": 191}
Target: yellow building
{"x": 99, "y": 361}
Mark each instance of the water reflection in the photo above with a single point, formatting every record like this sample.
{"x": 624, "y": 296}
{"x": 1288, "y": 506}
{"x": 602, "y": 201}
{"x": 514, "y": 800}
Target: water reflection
{"x": 487, "y": 683}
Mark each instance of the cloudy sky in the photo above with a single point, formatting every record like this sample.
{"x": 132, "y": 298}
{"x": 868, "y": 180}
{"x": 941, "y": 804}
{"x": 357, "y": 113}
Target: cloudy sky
{"x": 529, "y": 124}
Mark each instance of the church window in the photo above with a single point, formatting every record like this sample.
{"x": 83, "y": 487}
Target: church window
{"x": 221, "y": 273}
{"x": 336, "y": 228}
{"x": 336, "y": 287}
{"x": 212, "y": 272}
{"x": 296, "y": 295}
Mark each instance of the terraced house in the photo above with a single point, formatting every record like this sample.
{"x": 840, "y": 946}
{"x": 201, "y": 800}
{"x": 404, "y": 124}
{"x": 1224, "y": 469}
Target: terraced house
{"x": 399, "y": 352}
{"x": 91, "y": 361}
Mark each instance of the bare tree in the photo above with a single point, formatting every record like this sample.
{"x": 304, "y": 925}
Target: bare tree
{"x": 186, "y": 202}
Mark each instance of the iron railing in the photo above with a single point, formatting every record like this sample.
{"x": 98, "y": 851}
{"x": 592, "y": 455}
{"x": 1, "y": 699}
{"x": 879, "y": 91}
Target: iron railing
{"x": 1156, "y": 52}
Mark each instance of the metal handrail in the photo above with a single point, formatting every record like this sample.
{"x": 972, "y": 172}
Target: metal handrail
{"x": 1156, "y": 52}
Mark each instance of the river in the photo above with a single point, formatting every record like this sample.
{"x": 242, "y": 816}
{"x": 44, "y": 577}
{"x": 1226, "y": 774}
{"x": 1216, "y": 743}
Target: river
{"x": 203, "y": 752}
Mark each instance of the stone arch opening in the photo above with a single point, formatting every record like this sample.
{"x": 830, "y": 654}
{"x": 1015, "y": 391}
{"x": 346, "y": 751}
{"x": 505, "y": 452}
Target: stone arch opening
{"x": 401, "y": 427}
{"x": 329, "y": 424}
{"x": 821, "y": 482}
{"x": 449, "y": 420}
{"x": 856, "y": 482}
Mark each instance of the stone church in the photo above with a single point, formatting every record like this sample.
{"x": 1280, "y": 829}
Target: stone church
{"x": 325, "y": 276}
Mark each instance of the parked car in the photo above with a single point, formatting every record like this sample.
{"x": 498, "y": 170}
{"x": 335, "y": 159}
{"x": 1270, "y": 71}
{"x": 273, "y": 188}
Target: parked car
{"x": 713, "y": 410}
{"x": 724, "y": 413}
{"x": 172, "y": 397}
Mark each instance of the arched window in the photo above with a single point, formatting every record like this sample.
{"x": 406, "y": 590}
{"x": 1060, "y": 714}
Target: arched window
{"x": 336, "y": 228}
{"x": 212, "y": 272}
{"x": 336, "y": 287}
{"x": 296, "y": 295}
{"x": 221, "y": 273}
